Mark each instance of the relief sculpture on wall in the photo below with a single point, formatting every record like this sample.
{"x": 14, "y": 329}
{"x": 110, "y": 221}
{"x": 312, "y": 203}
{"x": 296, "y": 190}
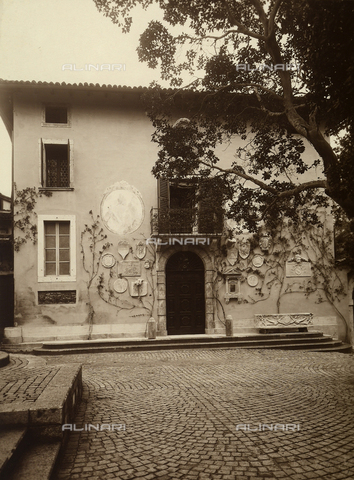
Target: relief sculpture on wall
{"x": 284, "y": 320}
{"x": 298, "y": 266}
{"x": 122, "y": 208}
{"x": 244, "y": 248}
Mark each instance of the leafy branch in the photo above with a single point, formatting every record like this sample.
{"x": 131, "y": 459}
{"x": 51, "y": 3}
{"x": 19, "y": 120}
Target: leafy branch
{"x": 25, "y": 216}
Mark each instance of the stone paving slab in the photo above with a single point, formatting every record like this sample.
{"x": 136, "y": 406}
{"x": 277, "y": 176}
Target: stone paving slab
{"x": 181, "y": 411}
{"x": 33, "y": 393}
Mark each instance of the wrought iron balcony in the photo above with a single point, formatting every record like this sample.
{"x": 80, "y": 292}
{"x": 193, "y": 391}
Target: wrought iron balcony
{"x": 185, "y": 221}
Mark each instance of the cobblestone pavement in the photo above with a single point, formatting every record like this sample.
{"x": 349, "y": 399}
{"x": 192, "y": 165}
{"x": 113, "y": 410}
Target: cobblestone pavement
{"x": 181, "y": 408}
{"x": 24, "y": 379}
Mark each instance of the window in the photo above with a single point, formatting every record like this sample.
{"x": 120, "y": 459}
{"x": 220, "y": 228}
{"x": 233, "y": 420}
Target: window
{"x": 56, "y": 164}
{"x": 188, "y": 207}
{"x": 55, "y": 116}
{"x": 56, "y": 248}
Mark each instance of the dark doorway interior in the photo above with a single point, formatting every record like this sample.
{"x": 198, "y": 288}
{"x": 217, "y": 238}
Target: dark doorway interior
{"x": 185, "y": 302}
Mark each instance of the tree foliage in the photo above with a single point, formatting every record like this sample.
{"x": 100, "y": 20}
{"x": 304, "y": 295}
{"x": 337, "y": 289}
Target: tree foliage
{"x": 274, "y": 109}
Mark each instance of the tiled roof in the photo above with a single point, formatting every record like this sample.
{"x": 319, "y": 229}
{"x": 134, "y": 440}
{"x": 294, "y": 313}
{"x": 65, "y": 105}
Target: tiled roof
{"x": 35, "y": 84}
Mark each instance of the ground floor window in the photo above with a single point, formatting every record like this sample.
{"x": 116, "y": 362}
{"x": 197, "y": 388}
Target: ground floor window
{"x": 56, "y": 248}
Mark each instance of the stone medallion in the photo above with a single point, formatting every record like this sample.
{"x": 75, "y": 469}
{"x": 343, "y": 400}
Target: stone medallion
{"x": 120, "y": 285}
{"x": 108, "y": 260}
{"x": 258, "y": 261}
{"x": 252, "y": 280}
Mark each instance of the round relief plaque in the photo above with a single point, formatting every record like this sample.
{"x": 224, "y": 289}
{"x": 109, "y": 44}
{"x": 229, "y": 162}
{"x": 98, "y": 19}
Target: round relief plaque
{"x": 252, "y": 280}
{"x": 120, "y": 285}
{"x": 122, "y": 208}
{"x": 258, "y": 260}
{"x": 108, "y": 260}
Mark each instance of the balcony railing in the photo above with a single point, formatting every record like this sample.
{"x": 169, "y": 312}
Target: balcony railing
{"x": 184, "y": 221}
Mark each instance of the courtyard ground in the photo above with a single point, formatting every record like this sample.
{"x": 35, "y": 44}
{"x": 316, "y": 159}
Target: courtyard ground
{"x": 212, "y": 414}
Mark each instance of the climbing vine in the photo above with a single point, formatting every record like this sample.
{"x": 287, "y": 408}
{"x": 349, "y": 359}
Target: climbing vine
{"x": 94, "y": 244}
{"x": 290, "y": 238}
{"x": 25, "y": 216}
{"x": 92, "y": 249}
{"x": 109, "y": 296}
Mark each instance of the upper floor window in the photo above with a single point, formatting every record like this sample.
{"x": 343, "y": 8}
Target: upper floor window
{"x": 56, "y": 164}
{"x": 188, "y": 207}
{"x": 56, "y": 116}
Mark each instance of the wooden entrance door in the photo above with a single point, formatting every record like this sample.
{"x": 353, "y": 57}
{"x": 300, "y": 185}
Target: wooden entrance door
{"x": 185, "y": 302}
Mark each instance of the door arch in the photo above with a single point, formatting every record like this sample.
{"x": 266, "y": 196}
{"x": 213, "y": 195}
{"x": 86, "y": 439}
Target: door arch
{"x": 185, "y": 299}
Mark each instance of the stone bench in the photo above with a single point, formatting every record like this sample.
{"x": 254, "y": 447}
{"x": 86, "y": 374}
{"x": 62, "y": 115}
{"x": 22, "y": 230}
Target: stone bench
{"x": 283, "y": 321}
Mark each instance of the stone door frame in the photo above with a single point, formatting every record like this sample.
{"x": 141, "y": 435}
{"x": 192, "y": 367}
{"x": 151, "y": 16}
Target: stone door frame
{"x": 162, "y": 258}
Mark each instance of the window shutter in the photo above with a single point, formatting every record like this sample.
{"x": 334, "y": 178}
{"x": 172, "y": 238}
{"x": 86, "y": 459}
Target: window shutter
{"x": 210, "y": 217}
{"x": 42, "y": 164}
{"x": 69, "y": 164}
{"x": 163, "y": 189}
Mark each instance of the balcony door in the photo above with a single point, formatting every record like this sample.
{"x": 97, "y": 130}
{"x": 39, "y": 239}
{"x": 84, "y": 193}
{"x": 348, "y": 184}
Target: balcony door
{"x": 188, "y": 207}
{"x": 185, "y": 301}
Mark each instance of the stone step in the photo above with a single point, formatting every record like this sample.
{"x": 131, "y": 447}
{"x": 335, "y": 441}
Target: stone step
{"x": 319, "y": 342}
{"x": 35, "y": 459}
{"x": 184, "y": 339}
{"x": 11, "y": 439}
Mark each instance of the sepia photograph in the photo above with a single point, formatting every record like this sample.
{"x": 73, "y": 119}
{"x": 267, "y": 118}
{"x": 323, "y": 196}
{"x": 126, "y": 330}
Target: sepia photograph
{"x": 176, "y": 240}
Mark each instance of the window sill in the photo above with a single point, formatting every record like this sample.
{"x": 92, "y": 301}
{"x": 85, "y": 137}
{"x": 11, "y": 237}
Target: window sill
{"x": 54, "y": 279}
{"x": 56, "y": 189}
{"x": 60, "y": 125}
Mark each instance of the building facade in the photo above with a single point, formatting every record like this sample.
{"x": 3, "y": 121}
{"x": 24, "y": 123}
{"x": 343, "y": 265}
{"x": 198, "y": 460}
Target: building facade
{"x": 103, "y": 246}
{"x": 6, "y": 264}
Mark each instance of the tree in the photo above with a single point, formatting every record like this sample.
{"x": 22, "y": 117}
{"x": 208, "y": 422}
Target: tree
{"x": 275, "y": 73}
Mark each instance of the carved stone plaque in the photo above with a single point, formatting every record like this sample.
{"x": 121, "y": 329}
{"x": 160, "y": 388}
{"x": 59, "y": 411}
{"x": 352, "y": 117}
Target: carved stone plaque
{"x": 298, "y": 266}
{"x": 129, "y": 268}
{"x": 244, "y": 248}
{"x": 56, "y": 296}
{"x": 140, "y": 250}
{"x": 123, "y": 248}
{"x": 265, "y": 242}
{"x": 232, "y": 256}
{"x": 138, "y": 290}
{"x": 279, "y": 320}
